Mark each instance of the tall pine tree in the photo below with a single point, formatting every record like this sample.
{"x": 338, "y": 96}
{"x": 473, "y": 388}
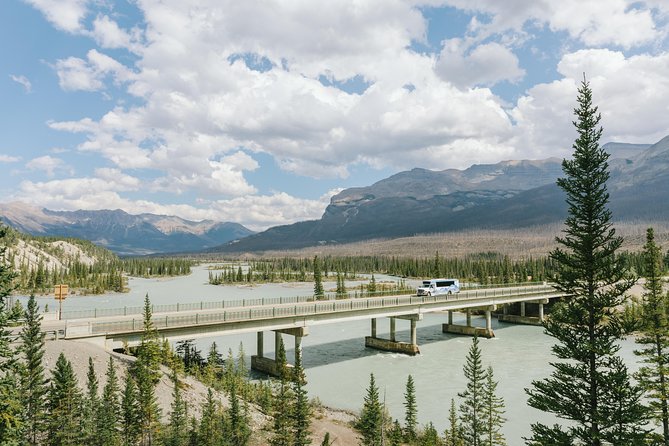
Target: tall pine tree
{"x": 91, "y": 406}
{"x": 283, "y": 406}
{"x": 653, "y": 376}
{"x": 370, "y": 423}
{"x": 64, "y": 404}
{"x": 10, "y": 403}
{"x": 493, "y": 412}
{"x": 108, "y": 420}
{"x": 454, "y": 432}
{"x": 319, "y": 293}
{"x": 301, "y": 414}
{"x": 177, "y": 432}
{"x": 410, "y": 411}
{"x": 472, "y": 409}
{"x": 586, "y": 324}
{"x": 33, "y": 382}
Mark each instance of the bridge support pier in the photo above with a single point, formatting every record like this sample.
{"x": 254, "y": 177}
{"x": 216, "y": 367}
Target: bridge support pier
{"x": 450, "y": 317}
{"x": 523, "y": 318}
{"x": 270, "y": 366}
{"x": 392, "y": 345}
{"x": 470, "y": 330}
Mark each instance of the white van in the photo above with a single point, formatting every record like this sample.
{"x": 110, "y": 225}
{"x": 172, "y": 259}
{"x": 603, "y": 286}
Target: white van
{"x": 436, "y": 287}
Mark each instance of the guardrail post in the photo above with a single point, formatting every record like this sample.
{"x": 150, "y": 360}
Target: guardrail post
{"x": 133, "y": 324}
{"x": 177, "y": 306}
{"x": 166, "y": 321}
{"x": 125, "y": 311}
{"x": 197, "y": 318}
{"x": 95, "y": 312}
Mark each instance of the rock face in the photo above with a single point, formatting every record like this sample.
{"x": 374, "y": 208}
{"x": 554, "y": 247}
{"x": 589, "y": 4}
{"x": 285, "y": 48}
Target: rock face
{"x": 121, "y": 232}
{"x": 510, "y": 194}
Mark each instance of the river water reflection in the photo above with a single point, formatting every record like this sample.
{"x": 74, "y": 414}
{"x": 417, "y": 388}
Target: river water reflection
{"x": 338, "y": 365}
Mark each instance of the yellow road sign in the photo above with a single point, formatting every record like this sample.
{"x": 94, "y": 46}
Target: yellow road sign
{"x": 61, "y": 291}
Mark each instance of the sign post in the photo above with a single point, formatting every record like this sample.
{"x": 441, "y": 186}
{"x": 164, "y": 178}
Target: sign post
{"x": 60, "y": 292}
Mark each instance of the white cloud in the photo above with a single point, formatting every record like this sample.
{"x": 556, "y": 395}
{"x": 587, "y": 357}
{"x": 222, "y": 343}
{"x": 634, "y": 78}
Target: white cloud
{"x": 89, "y": 75}
{"x": 49, "y": 165}
{"x": 632, "y": 94}
{"x": 9, "y": 158}
{"x": 64, "y": 14}
{"x": 24, "y": 81}
{"x": 624, "y": 23}
{"x": 108, "y": 34}
{"x": 486, "y": 64}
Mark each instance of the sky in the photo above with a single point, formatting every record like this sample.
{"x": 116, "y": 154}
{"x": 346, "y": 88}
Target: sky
{"x": 259, "y": 111}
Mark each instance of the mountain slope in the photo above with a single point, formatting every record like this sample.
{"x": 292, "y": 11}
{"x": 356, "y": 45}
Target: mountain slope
{"x": 511, "y": 194}
{"x": 121, "y": 232}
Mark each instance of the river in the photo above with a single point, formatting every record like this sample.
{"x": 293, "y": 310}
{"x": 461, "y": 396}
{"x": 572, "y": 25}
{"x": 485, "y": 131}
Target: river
{"x": 338, "y": 365}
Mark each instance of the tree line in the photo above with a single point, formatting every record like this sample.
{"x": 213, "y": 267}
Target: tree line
{"x": 107, "y": 272}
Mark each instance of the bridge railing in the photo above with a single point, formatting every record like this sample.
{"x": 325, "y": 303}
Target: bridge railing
{"x": 307, "y": 308}
{"x": 254, "y": 302}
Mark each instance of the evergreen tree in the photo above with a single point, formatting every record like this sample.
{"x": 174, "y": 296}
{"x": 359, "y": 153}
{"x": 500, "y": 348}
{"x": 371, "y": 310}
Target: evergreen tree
{"x": 283, "y": 407}
{"x": 64, "y": 405}
{"x": 472, "y": 409}
{"x": 371, "y": 287}
{"x": 395, "y": 434}
{"x": 10, "y": 402}
{"x": 33, "y": 383}
{"x": 370, "y": 423}
{"x": 209, "y": 430}
{"x": 301, "y": 413}
{"x": 454, "y": 433}
{"x": 91, "y": 405}
{"x": 108, "y": 420}
{"x": 410, "y": 411}
{"x": 177, "y": 434}
{"x": 341, "y": 285}
{"x": 319, "y": 293}
{"x": 493, "y": 412}
{"x": 430, "y": 436}
{"x": 238, "y": 429}
{"x": 653, "y": 376}
{"x": 130, "y": 416}
{"x": 146, "y": 372}
{"x": 213, "y": 368}
{"x": 586, "y": 324}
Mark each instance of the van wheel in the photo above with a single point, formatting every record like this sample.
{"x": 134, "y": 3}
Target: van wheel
{"x": 429, "y": 294}
{"x": 450, "y": 292}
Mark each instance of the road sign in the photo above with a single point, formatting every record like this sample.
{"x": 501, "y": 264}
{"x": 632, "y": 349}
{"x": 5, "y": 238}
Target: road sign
{"x": 61, "y": 291}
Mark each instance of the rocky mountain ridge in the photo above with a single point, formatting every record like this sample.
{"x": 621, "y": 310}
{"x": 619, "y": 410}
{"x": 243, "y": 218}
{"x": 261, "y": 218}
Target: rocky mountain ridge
{"x": 123, "y": 233}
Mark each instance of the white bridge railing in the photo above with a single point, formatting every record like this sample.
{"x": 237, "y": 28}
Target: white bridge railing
{"x": 301, "y": 309}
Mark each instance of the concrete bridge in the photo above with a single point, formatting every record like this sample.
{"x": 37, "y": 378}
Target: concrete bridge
{"x": 295, "y": 318}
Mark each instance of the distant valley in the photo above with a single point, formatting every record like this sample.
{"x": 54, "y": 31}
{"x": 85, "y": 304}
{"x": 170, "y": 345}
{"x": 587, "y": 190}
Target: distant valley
{"x": 120, "y": 232}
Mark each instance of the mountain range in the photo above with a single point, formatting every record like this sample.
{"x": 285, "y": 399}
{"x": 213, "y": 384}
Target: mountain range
{"x": 123, "y": 233}
{"x": 510, "y": 194}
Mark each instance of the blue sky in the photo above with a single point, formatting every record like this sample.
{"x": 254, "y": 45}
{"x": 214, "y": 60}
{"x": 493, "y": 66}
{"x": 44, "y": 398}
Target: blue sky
{"x": 258, "y": 112}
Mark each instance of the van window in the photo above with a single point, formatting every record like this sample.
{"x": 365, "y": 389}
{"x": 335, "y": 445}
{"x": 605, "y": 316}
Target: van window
{"x": 426, "y": 283}
{"x": 442, "y": 283}
{"x": 449, "y": 282}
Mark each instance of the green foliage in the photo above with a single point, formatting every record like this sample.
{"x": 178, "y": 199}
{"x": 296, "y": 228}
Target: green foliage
{"x": 318, "y": 281}
{"x": 33, "y": 382}
{"x": 177, "y": 431}
{"x": 91, "y": 405}
{"x": 586, "y": 324}
{"x": 472, "y": 409}
{"x": 430, "y": 436}
{"x": 64, "y": 403}
{"x": 493, "y": 412}
{"x": 371, "y": 421}
{"x": 210, "y": 430}
{"x": 410, "y": 411}
{"x": 130, "y": 413}
{"x": 109, "y": 417}
{"x": 10, "y": 404}
{"x": 653, "y": 376}
{"x": 301, "y": 413}
{"x": 453, "y": 436}
{"x": 282, "y": 432}
{"x": 237, "y": 423}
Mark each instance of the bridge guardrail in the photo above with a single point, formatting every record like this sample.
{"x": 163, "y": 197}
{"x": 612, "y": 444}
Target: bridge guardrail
{"x": 308, "y": 308}
{"x": 237, "y": 303}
